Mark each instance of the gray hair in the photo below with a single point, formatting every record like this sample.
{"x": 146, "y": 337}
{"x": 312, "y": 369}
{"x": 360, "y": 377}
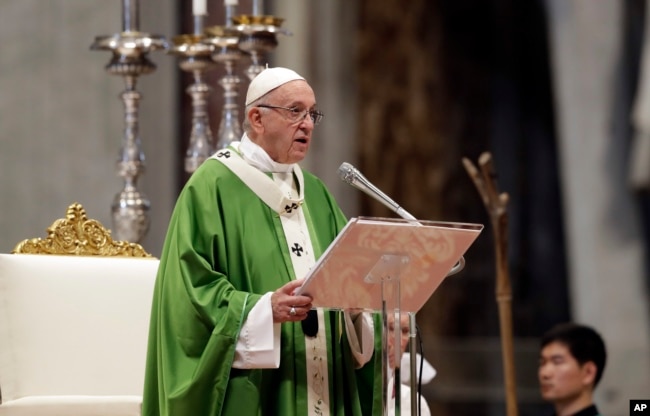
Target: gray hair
{"x": 246, "y": 124}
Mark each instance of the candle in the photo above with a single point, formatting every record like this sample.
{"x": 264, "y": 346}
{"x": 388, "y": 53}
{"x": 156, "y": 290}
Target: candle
{"x": 230, "y": 10}
{"x": 199, "y": 8}
{"x": 130, "y": 21}
{"x": 257, "y": 8}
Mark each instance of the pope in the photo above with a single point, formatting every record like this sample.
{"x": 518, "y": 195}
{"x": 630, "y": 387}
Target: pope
{"x": 228, "y": 335}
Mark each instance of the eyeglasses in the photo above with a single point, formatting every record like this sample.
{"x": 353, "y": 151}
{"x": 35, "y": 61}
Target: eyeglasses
{"x": 296, "y": 115}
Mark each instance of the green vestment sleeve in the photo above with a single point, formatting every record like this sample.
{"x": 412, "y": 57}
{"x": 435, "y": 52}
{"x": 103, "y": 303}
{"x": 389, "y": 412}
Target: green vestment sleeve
{"x": 224, "y": 249}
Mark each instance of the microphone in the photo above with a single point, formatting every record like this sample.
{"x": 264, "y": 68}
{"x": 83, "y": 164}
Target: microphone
{"x": 351, "y": 175}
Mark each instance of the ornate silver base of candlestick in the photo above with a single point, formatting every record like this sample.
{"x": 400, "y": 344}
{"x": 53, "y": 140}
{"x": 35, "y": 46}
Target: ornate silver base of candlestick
{"x": 196, "y": 57}
{"x": 226, "y": 51}
{"x": 130, "y": 208}
{"x": 258, "y": 36}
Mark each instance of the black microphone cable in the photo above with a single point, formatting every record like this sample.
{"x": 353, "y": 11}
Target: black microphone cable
{"x": 420, "y": 371}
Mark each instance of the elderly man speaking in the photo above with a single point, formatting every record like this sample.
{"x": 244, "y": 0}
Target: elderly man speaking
{"x": 228, "y": 336}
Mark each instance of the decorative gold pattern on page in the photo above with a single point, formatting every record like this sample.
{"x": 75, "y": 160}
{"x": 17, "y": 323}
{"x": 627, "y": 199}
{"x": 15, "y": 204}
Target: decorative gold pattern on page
{"x": 77, "y": 235}
{"x": 424, "y": 249}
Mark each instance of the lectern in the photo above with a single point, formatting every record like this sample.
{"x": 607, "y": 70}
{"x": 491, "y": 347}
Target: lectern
{"x": 387, "y": 265}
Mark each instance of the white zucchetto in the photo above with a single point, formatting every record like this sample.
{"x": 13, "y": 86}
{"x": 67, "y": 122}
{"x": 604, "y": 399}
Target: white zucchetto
{"x": 268, "y": 80}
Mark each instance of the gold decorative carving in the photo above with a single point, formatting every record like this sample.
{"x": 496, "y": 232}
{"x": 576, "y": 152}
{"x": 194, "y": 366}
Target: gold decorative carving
{"x": 77, "y": 235}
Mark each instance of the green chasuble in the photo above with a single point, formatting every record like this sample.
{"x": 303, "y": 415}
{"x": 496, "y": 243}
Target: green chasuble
{"x": 224, "y": 249}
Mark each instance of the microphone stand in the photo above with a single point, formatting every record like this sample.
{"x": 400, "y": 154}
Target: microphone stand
{"x": 351, "y": 175}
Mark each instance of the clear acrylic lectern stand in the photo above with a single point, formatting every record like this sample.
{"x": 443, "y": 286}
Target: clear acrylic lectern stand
{"x": 387, "y": 265}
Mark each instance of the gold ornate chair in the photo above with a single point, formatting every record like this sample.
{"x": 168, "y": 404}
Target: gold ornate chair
{"x": 74, "y": 319}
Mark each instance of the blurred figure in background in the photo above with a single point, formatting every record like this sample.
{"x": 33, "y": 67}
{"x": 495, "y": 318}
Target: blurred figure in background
{"x": 428, "y": 372}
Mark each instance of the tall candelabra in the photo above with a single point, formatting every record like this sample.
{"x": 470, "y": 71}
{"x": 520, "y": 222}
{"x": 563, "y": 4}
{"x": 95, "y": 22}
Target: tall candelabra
{"x": 130, "y": 207}
{"x": 252, "y": 35}
{"x": 258, "y": 35}
{"x": 226, "y": 52}
{"x": 242, "y": 35}
{"x": 196, "y": 57}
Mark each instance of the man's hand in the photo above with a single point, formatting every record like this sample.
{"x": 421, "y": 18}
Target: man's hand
{"x": 286, "y": 306}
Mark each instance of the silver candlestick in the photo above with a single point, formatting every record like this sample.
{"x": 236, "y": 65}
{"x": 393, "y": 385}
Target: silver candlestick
{"x": 130, "y": 207}
{"x": 195, "y": 56}
{"x": 226, "y": 51}
{"x": 258, "y": 36}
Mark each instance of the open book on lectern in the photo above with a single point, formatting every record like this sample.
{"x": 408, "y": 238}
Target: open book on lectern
{"x": 369, "y": 250}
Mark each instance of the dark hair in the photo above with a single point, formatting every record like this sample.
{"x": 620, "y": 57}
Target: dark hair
{"x": 583, "y": 342}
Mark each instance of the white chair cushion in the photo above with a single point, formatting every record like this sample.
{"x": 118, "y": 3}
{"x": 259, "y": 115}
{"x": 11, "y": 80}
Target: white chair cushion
{"x": 73, "y": 406}
{"x": 73, "y": 326}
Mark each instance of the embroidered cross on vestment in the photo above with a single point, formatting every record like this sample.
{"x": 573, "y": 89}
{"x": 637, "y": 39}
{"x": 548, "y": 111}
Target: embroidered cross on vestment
{"x": 289, "y": 208}
{"x": 297, "y": 250}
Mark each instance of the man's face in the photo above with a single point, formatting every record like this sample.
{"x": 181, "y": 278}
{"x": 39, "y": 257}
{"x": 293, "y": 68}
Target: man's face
{"x": 562, "y": 379}
{"x": 404, "y": 336}
{"x": 284, "y": 140}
